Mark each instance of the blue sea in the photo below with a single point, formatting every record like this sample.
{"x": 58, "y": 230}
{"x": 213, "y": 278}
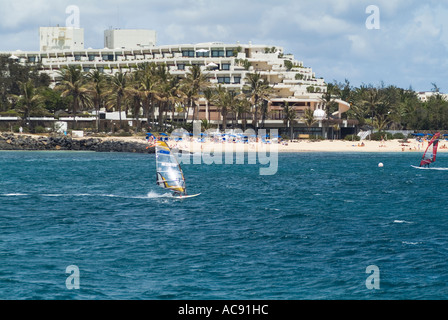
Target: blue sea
{"x": 308, "y": 232}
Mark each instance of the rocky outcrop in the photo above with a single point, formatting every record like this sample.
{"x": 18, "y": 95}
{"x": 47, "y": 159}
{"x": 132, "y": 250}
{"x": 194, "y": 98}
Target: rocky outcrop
{"x": 23, "y": 142}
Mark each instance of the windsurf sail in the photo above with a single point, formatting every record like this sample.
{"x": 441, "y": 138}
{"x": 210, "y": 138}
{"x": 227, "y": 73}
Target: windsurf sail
{"x": 430, "y": 153}
{"x": 169, "y": 173}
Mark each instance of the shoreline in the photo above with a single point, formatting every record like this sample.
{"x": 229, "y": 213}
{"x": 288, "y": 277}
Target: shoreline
{"x": 29, "y": 142}
{"x": 312, "y": 146}
{"x": 138, "y": 144}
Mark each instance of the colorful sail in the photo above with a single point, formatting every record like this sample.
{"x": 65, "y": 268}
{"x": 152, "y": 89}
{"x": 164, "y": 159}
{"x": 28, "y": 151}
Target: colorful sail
{"x": 169, "y": 173}
{"x": 430, "y": 154}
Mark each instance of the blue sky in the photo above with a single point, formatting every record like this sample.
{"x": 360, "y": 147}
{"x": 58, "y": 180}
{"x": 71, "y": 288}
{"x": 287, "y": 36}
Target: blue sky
{"x": 410, "y": 48}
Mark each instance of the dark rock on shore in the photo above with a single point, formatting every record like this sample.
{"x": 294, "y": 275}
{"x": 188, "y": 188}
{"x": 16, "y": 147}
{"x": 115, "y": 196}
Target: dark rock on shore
{"x": 10, "y": 141}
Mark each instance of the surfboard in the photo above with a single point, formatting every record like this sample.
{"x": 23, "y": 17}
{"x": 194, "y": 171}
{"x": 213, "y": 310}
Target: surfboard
{"x": 426, "y": 168}
{"x": 186, "y": 196}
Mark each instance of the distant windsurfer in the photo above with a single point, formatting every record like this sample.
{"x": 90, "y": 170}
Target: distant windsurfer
{"x": 430, "y": 158}
{"x": 425, "y": 165}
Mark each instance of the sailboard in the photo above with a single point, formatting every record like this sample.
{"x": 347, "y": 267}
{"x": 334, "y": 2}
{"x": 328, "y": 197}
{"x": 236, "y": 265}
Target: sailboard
{"x": 169, "y": 172}
{"x": 426, "y": 168}
{"x": 429, "y": 156}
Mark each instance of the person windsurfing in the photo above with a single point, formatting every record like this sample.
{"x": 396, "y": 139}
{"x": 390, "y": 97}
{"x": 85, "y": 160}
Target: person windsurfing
{"x": 431, "y": 157}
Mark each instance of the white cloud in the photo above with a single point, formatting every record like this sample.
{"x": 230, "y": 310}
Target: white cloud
{"x": 329, "y": 36}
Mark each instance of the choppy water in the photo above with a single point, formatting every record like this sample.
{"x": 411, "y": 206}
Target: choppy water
{"x": 308, "y": 232}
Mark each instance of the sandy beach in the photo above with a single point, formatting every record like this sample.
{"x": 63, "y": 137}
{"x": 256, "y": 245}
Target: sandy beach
{"x": 300, "y": 146}
{"x": 312, "y": 146}
{"x": 412, "y": 145}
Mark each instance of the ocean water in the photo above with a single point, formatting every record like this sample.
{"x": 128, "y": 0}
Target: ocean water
{"x": 307, "y": 232}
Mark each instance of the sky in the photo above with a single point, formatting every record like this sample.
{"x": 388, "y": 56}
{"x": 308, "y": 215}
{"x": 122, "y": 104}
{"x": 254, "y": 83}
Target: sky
{"x": 398, "y": 42}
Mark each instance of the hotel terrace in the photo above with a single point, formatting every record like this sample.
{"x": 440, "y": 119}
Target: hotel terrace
{"x": 225, "y": 64}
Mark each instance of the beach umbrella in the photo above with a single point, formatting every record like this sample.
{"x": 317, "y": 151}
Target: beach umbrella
{"x": 202, "y": 50}
{"x": 179, "y": 132}
{"x": 212, "y": 65}
{"x": 164, "y": 134}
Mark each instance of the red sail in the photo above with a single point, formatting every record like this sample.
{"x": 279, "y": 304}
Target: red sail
{"x": 429, "y": 158}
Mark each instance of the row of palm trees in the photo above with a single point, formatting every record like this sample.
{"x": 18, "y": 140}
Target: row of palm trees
{"x": 389, "y": 107}
{"x": 153, "y": 93}
{"x": 156, "y": 92}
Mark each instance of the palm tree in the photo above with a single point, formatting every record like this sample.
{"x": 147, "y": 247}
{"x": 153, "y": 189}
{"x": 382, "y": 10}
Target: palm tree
{"x": 240, "y": 108}
{"x": 289, "y": 116}
{"x": 146, "y": 76}
{"x": 308, "y": 118}
{"x": 118, "y": 91}
{"x": 176, "y": 96}
{"x": 29, "y": 99}
{"x": 197, "y": 82}
{"x": 223, "y": 100}
{"x": 258, "y": 91}
{"x": 328, "y": 98}
{"x": 133, "y": 97}
{"x": 208, "y": 96}
{"x": 358, "y": 109}
{"x": 168, "y": 93}
{"x": 162, "y": 91}
{"x": 370, "y": 99}
{"x": 97, "y": 81}
{"x": 73, "y": 85}
{"x": 205, "y": 125}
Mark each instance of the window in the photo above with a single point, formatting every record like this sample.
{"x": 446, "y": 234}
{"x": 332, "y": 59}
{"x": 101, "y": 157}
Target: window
{"x": 77, "y": 57}
{"x": 225, "y": 66}
{"x": 91, "y": 57}
{"x": 217, "y": 53}
{"x": 181, "y": 66}
{"x": 237, "y": 80}
{"x": 203, "y": 54}
{"x": 230, "y": 53}
{"x": 188, "y": 53}
{"x": 225, "y": 80}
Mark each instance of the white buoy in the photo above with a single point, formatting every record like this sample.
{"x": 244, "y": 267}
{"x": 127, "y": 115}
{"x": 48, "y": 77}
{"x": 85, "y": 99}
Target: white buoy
{"x": 380, "y": 165}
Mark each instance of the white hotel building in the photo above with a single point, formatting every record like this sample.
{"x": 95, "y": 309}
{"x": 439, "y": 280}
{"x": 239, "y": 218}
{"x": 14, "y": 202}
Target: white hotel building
{"x": 225, "y": 64}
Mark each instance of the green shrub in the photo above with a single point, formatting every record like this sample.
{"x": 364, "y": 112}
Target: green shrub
{"x": 315, "y": 137}
{"x": 399, "y": 135}
{"x": 122, "y": 133}
{"x": 39, "y": 129}
{"x": 377, "y": 136}
{"x": 10, "y": 113}
{"x": 352, "y": 137}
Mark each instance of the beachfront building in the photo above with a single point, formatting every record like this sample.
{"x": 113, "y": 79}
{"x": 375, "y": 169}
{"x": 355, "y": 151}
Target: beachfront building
{"x": 224, "y": 64}
{"x": 424, "y": 96}
{"x": 129, "y": 38}
{"x": 61, "y": 38}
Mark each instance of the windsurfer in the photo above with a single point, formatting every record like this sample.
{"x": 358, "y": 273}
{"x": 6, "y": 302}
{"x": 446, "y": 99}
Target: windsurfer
{"x": 178, "y": 194}
{"x": 426, "y": 165}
